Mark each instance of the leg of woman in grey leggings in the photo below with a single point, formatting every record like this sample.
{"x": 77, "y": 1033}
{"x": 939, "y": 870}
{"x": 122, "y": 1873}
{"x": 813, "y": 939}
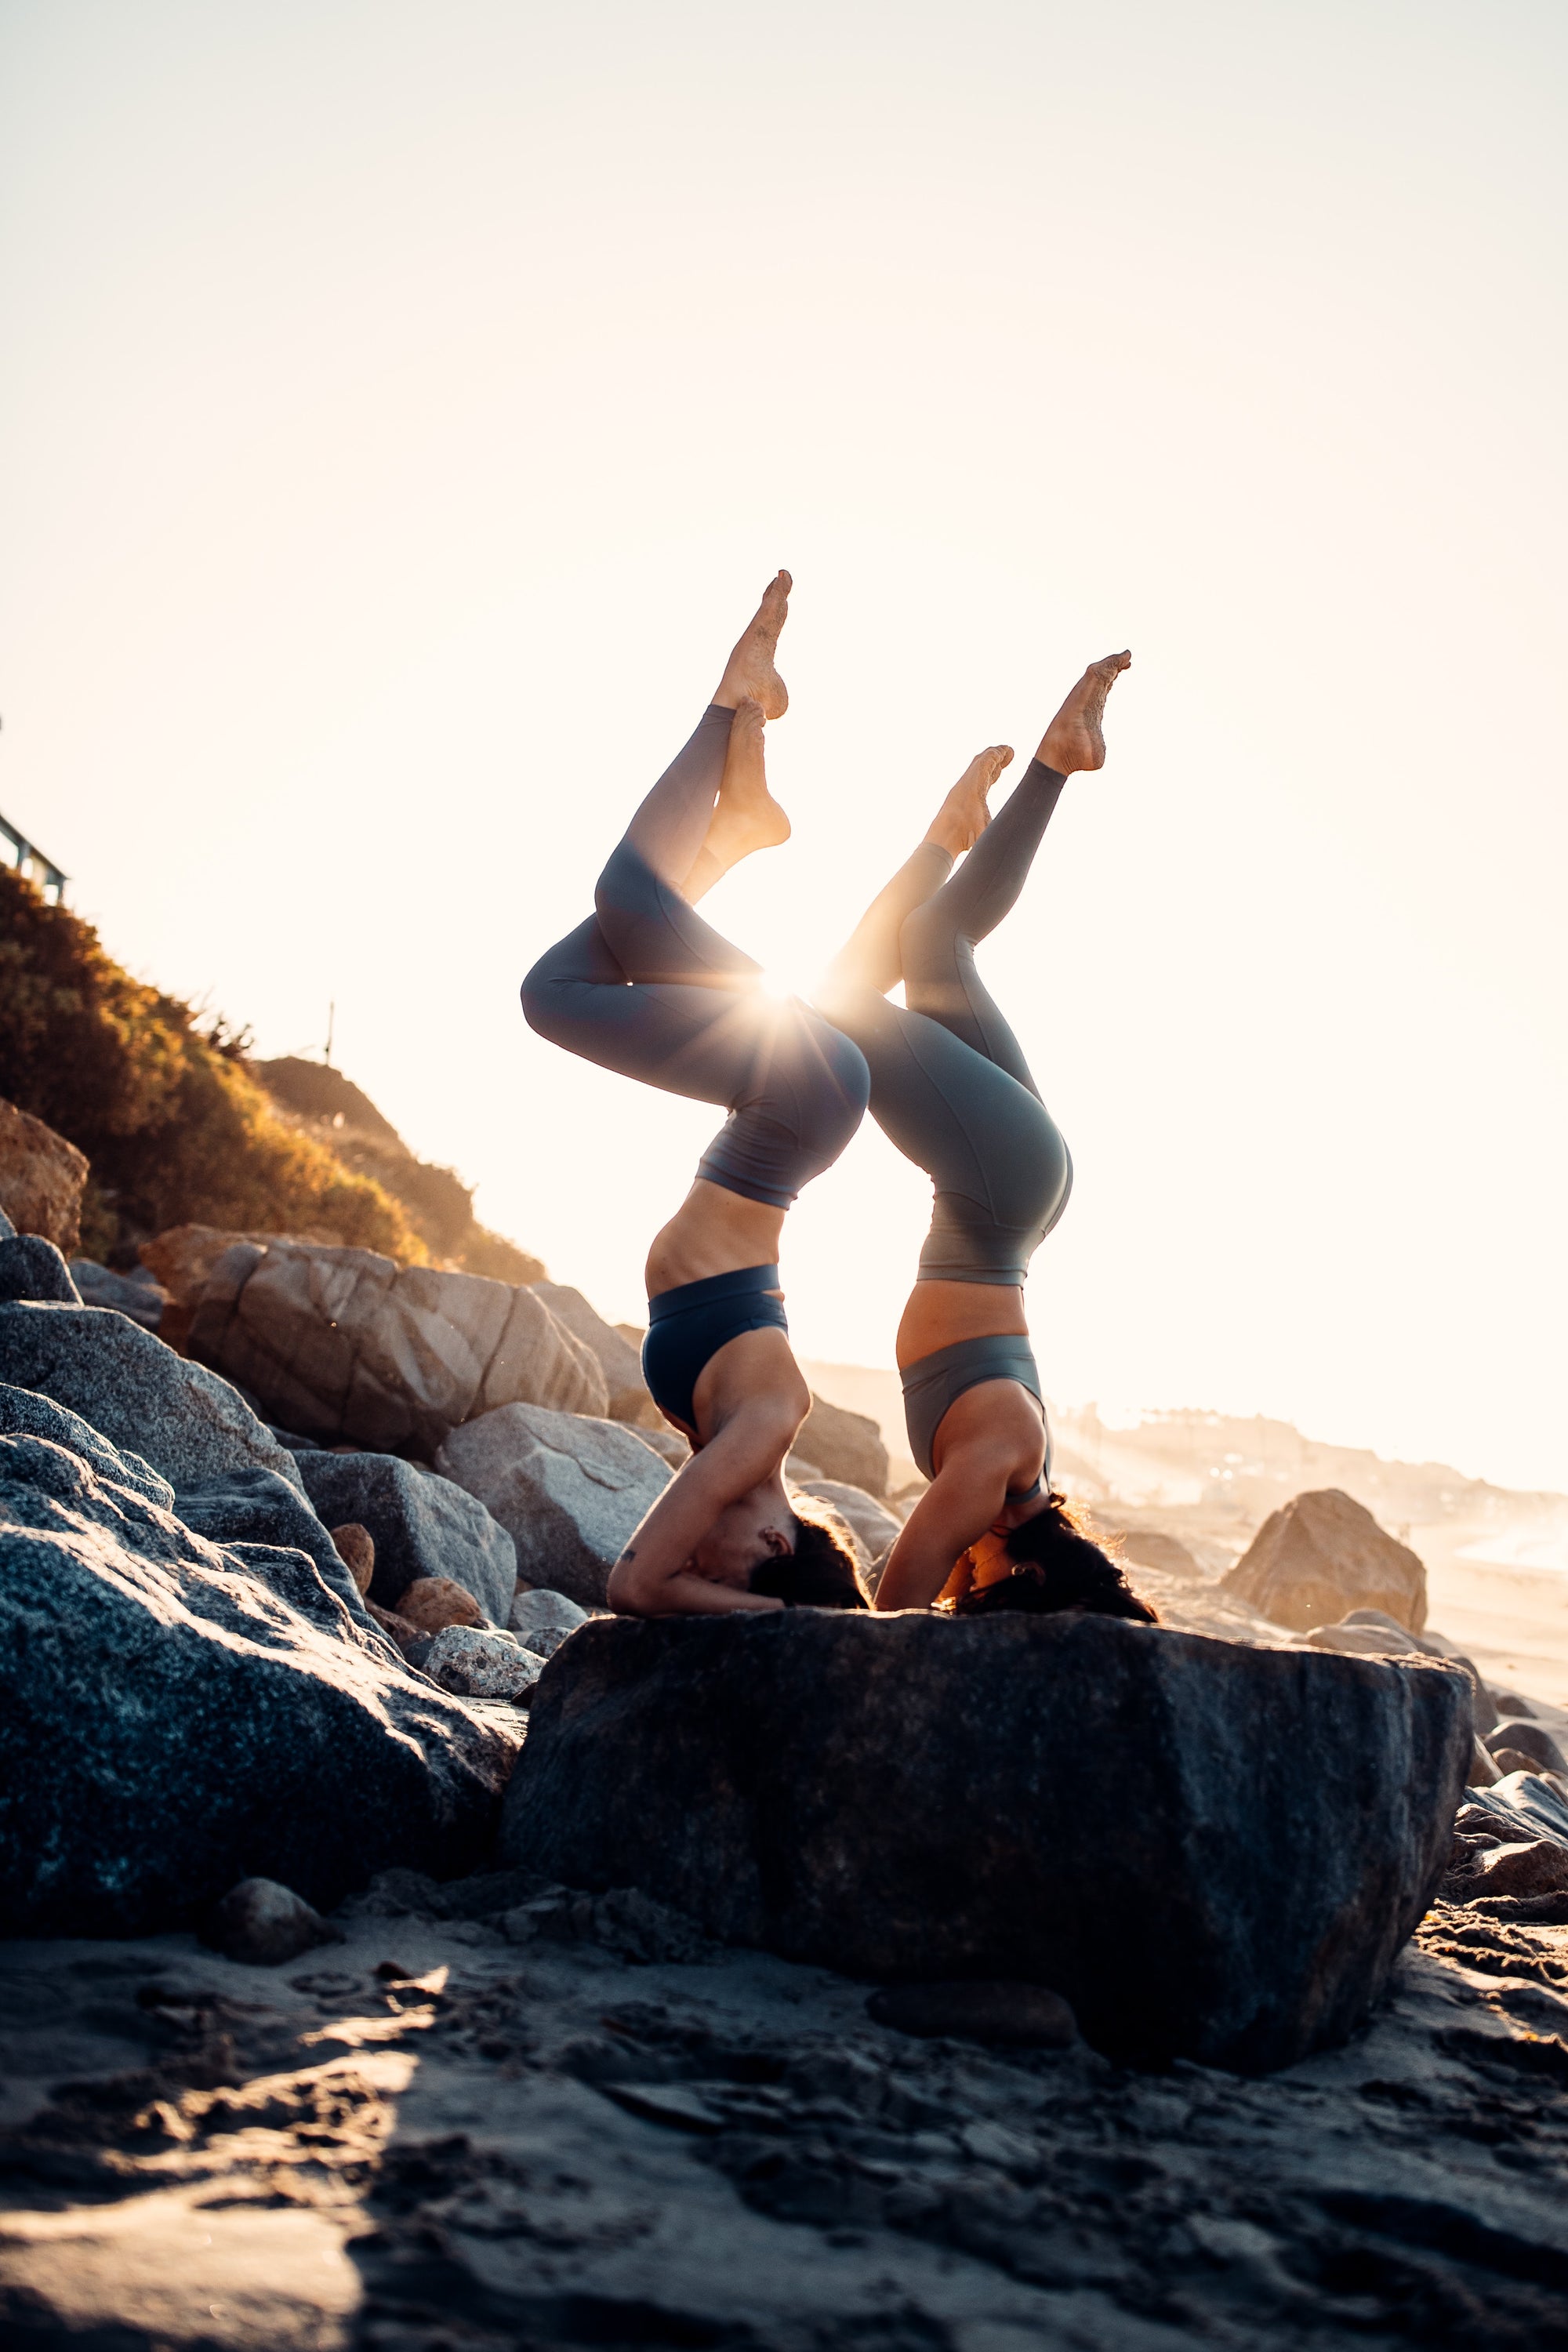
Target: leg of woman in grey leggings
{"x": 950, "y": 1087}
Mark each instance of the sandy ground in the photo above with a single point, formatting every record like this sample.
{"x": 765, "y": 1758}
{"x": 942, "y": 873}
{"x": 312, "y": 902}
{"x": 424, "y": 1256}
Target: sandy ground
{"x": 1513, "y": 1622}
{"x": 550, "y": 2146}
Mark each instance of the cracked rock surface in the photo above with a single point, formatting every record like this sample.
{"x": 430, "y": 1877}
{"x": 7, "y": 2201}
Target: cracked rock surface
{"x": 498, "y": 2116}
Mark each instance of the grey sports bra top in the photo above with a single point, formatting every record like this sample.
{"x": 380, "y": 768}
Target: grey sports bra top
{"x": 937, "y": 1381}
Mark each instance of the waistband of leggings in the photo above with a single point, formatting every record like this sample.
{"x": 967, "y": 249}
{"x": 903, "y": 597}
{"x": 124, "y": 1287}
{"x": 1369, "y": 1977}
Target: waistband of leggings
{"x": 744, "y": 1282}
{"x": 1009, "y": 1350}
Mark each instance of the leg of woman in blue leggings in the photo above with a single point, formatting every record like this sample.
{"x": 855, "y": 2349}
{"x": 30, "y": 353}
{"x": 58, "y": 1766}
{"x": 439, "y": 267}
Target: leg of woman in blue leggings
{"x": 647, "y": 988}
{"x": 950, "y": 1087}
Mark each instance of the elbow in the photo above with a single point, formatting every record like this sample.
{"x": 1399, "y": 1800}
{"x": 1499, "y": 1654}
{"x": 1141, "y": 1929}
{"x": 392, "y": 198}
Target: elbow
{"x": 627, "y": 1593}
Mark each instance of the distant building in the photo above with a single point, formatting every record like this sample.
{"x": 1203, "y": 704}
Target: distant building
{"x": 28, "y": 860}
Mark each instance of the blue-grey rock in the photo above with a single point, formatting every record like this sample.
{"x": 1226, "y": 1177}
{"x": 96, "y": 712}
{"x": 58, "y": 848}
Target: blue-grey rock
{"x": 567, "y": 1487}
{"x": 1210, "y": 1851}
{"x": 257, "y": 1507}
{"x": 31, "y": 1267}
{"x": 177, "y": 1715}
{"x": 138, "y": 1295}
{"x": 188, "y": 1423}
{"x": 1524, "y": 1805}
{"x": 423, "y": 1526}
{"x": 478, "y": 1664}
{"x": 25, "y": 1413}
{"x": 1527, "y": 1738}
{"x": 7, "y": 1229}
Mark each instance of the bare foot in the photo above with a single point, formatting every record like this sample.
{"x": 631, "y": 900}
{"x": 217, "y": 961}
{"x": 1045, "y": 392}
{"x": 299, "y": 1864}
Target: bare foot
{"x": 746, "y": 815}
{"x": 749, "y": 674}
{"x": 963, "y": 816}
{"x": 1074, "y": 738}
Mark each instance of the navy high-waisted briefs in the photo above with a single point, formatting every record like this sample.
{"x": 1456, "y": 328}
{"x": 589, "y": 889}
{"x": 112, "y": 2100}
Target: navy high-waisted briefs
{"x": 689, "y": 1325}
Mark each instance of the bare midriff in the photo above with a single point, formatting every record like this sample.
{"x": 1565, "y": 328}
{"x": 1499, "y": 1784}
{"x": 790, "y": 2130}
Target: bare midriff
{"x": 713, "y": 1232}
{"x": 941, "y": 1313}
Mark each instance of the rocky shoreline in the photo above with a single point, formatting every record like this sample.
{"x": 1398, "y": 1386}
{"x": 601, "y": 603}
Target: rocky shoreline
{"x": 1222, "y": 1964}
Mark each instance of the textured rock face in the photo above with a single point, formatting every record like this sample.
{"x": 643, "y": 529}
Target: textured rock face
{"x": 257, "y": 1507}
{"x": 422, "y": 1526}
{"x": 177, "y": 1715}
{"x": 340, "y": 1343}
{"x": 1322, "y": 1556}
{"x": 568, "y": 1491}
{"x": 33, "y": 1268}
{"x": 41, "y": 1178}
{"x": 1210, "y": 1851}
{"x": 189, "y": 1424}
{"x": 620, "y": 1363}
{"x": 845, "y": 1445}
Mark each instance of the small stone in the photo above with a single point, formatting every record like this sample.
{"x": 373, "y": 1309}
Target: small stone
{"x": 1022, "y": 2016}
{"x": 431, "y": 1602}
{"x": 1483, "y": 1772}
{"x": 474, "y": 1663}
{"x": 414, "y": 1644}
{"x": 265, "y": 1923}
{"x": 1532, "y": 1743}
{"x": 1509, "y": 1703}
{"x": 357, "y": 1549}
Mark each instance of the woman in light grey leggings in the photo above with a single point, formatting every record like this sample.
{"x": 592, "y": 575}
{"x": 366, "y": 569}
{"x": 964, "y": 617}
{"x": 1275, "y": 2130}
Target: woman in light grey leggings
{"x": 950, "y": 1087}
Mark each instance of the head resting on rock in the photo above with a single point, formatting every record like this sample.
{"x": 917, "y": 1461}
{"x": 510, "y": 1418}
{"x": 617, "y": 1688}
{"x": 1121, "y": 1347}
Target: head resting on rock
{"x": 822, "y": 1571}
{"x": 1057, "y": 1564}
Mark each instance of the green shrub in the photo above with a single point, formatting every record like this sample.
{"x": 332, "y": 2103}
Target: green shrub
{"x": 176, "y": 1129}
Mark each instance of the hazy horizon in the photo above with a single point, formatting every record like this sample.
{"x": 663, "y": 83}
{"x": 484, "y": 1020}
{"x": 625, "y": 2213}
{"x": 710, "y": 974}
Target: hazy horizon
{"x": 404, "y": 406}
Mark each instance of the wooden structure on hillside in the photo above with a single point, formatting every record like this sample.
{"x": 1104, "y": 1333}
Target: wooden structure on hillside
{"x": 28, "y": 860}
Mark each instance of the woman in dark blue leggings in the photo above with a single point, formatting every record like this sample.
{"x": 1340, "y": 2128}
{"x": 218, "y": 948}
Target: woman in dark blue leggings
{"x": 646, "y": 987}
{"x": 950, "y": 1087}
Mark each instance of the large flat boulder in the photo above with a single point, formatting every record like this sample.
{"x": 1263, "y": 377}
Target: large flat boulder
{"x": 42, "y": 1178}
{"x": 567, "y": 1489}
{"x": 423, "y": 1526}
{"x": 344, "y": 1344}
{"x": 1212, "y": 1851}
{"x": 1321, "y": 1556}
{"x": 177, "y": 1715}
{"x": 621, "y": 1363}
{"x": 188, "y": 1423}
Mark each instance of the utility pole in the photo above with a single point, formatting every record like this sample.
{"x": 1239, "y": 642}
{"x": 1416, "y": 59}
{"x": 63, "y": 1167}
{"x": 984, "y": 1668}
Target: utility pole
{"x": 332, "y": 1017}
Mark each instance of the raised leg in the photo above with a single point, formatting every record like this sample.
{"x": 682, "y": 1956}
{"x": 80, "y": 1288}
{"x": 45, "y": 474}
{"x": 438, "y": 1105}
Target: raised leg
{"x": 746, "y": 816}
{"x": 870, "y": 957}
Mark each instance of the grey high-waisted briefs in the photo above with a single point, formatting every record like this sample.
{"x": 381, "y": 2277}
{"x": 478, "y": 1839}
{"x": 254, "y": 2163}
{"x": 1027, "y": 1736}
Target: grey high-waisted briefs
{"x": 938, "y": 1381}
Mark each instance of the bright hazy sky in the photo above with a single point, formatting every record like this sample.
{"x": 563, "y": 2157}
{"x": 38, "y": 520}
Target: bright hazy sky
{"x": 402, "y": 405}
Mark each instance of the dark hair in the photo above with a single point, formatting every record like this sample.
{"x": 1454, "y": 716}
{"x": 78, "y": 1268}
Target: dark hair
{"x": 822, "y": 1572}
{"x": 1058, "y": 1564}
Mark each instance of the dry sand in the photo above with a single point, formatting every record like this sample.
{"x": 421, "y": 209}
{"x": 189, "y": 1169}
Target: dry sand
{"x": 549, "y": 2146}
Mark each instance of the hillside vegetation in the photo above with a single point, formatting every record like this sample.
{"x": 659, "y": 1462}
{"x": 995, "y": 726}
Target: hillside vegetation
{"x": 181, "y": 1128}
